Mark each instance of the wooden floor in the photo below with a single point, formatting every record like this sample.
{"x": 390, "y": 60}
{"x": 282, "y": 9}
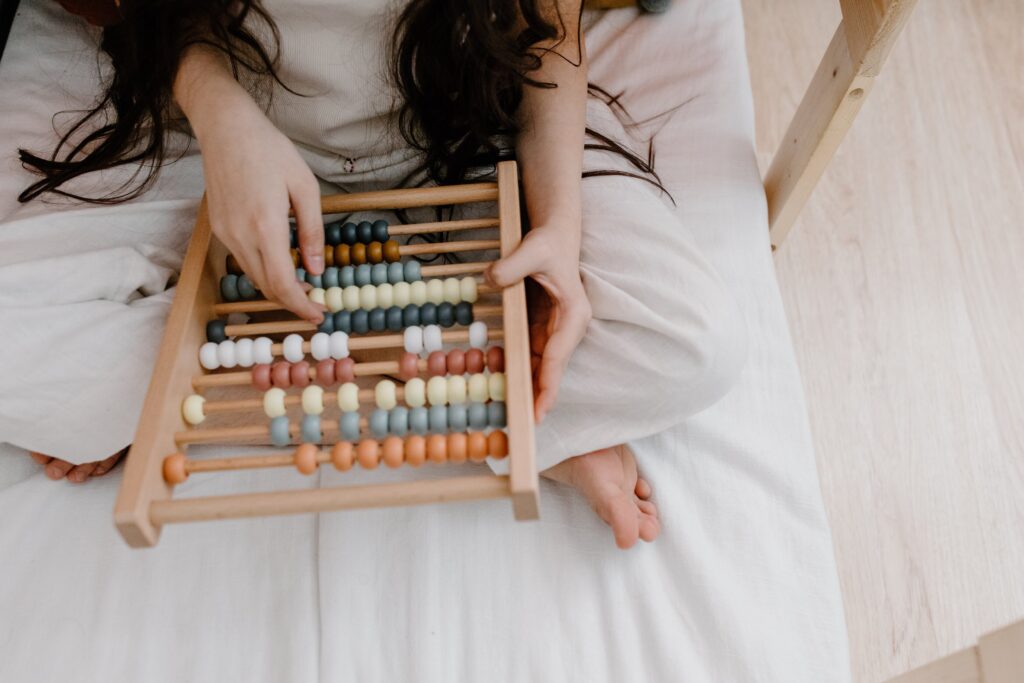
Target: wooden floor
{"x": 904, "y": 285}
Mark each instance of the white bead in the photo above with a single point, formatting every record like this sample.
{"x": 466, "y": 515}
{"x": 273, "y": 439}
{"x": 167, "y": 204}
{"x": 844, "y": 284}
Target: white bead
{"x": 413, "y": 340}
{"x": 316, "y": 295}
{"x": 384, "y": 394}
{"x": 478, "y": 334}
{"x": 320, "y": 346}
{"x": 293, "y": 348}
{"x": 432, "y": 338}
{"x": 437, "y": 391}
{"x": 313, "y": 400}
{"x": 208, "y": 356}
{"x": 226, "y": 354}
{"x": 456, "y": 389}
{"x": 467, "y": 289}
{"x": 418, "y": 292}
{"x": 435, "y": 291}
{"x": 339, "y": 345}
{"x": 333, "y": 299}
{"x": 350, "y": 298}
{"x": 400, "y": 294}
{"x": 385, "y": 295}
{"x": 368, "y": 297}
{"x": 192, "y": 409}
{"x": 496, "y": 386}
{"x": 243, "y": 352}
{"x": 348, "y": 397}
{"x": 452, "y": 291}
{"x": 262, "y": 352}
{"x": 478, "y": 387}
{"x": 273, "y": 402}
{"x": 415, "y": 392}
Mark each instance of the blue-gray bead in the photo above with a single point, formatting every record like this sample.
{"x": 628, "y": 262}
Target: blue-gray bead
{"x": 229, "y": 287}
{"x": 332, "y": 233}
{"x": 378, "y": 273}
{"x": 279, "y": 431}
{"x": 327, "y": 325}
{"x": 347, "y": 276}
{"x": 419, "y": 422}
{"x": 364, "y": 232}
{"x": 398, "y": 421}
{"x": 457, "y": 418}
{"x": 412, "y": 271}
{"x": 396, "y": 273}
{"x": 311, "y": 429}
{"x": 496, "y": 414}
{"x": 464, "y": 313}
{"x": 348, "y": 426}
{"x": 378, "y": 320}
{"x": 445, "y": 314}
{"x": 380, "y": 231}
{"x": 394, "y": 322}
{"x": 315, "y": 280}
{"x": 477, "y": 415}
{"x": 360, "y": 322}
{"x": 330, "y": 278}
{"x": 428, "y": 314}
{"x": 215, "y": 331}
{"x": 379, "y": 423}
{"x": 246, "y": 289}
{"x": 411, "y": 315}
{"x": 439, "y": 419}
{"x": 343, "y": 322}
{"x": 348, "y": 234}
{"x": 364, "y": 275}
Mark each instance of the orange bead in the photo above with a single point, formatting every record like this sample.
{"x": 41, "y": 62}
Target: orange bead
{"x": 391, "y": 253}
{"x": 328, "y": 256}
{"x": 341, "y": 456}
{"x": 305, "y": 458}
{"x": 415, "y": 450}
{"x": 295, "y": 257}
{"x": 497, "y": 444}
{"x": 458, "y": 447}
{"x": 374, "y": 252}
{"x": 175, "y": 468}
{"x": 368, "y": 454}
{"x": 437, "y": 448}
{"x": 477, "y": 443}
{"x": 342, "y": 255}
{"x": 358, "y": 254}
{"x": 394, "y": 451}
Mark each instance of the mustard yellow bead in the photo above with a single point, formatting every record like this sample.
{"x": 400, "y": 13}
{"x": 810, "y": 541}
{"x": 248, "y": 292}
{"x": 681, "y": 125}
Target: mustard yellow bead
{"x": 437, "y": 390}
{"x": 452, "y": 291}
{"x": 496, "y": 386}
{"x": 313, "y": 400}
{"x": 456, "y": 389}
{"x": 273, "y": 402}
{"x": 384, "y": 393}
{"x": 333, "y": 299}
{"x": 192, "y": 409}
{"x": 348, "y": 397}
{"x": 467, "y": 289}
{"x": 350, "y": 298}
{"x": 418, "y": 292}
{"x": 478, "y": 388}
{"x": 400, "y": 294}
{"x": 415, "y": 392}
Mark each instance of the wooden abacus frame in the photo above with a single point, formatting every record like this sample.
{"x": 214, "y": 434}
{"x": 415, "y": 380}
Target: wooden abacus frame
{"x": 145, "y": 502}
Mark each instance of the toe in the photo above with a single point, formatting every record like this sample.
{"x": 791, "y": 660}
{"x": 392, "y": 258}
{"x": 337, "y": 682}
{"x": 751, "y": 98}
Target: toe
{"x": 80, "y": 473}
{"x": 104, "y": 466}
{"x": 643, "y": 489}
{"x": 621, "y": 515}
{"x": 43, "y": 460}
{"x": 650, "y": 527}
{"x": 648, "y": 508}
{"x": 57, "y": 469}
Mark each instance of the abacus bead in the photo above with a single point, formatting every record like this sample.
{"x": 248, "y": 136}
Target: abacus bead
{"x": 341, "y": 456}
{"x": 327, "y": 324}
{"x": 343, "y": 322}
{"x": 438, "y": 419}
{"x": 474, "y": 361}
{"x": 175, "y": 471}
{"x": 215, "y": 330}
{"x": 496, "y": 386}
{"x": 293, "y": 237}
{"x": 477, "y": 415}
{"x": 464, "y": 313}
{"x": 437, "y": 448}
{"x": 320, "y": 346}
{"x": 394, "y": 319}
{"x": 477, "y": 446}
{"x": 342, "y": 255}
{"x": 393, "y": 451}
{"x": 344, "y": 370}
{"x": 415, "y": 450}
{"x": 497, "y": 444}
{"x": 379, "y": 423}
{"x": 246, "y": 289}
{"x": 415, "y": 392}
{"x": 315, "y": 280}
{"x": 456, "y": 362}
{"x": 395, "y": 273}
{"x": 456, "y": 389}
{"x": 300, "y": 374}
{"x": 378, "y": 273}
{"x": 457, "y": 448}
{"x": 378, "y": 320}
{"x": 350, "y": 298}
{"x": 418, "y": 292}
{"x": 368, "y": 454}
{"x": 360, "y": 322}
{"x": 363, "y": 275}
{"x": 293, "y": 348}
{"x": 496, "y": 414}
{"x": 208, "y": 356}
{"x": 408, "y": 366}
{"x": 419, "y": 421}
{"x": 279, "y": 435}
{"x": 385, "y": 295}
{"x": 231, "y": 265}
{"x": 384, "y": 394}
{"x": 368, "y": 297}
{"x": 437, "y": 391}
{"x": 412, "y": 338}
{"x": 262, "y": 350}
{"x": 339, "y": 345}
{"x": 349, "y": 233}
{"x": 364, "y": 232}
{"x": 346, "y": 276}
{"x": 229, "y": 287}
{"x": 411, "y": 315}
{"x": 458, "y": 419}
{"x": 281, "y": 374}
{"x": 331, "y": 256}
{"x": 317, "y": 296}
{"x": 333, "y": 299}
{"x": 348, "y": 426}
{"x": 332, "y": 233}
{"x": 445, "y": 314}
{"x": 496, "y": 359}
{"x": 313, "y": 400}
{"x": 432, "y": 338}
{"x": 244, "y": 352}
{"x": 192, "y": 409}
{"x": 305, "y": 458}
{"x": 325, "y": 372}
{"x": 311, "y": 429}
{"x": 412, "y": 271}
{"x": 380, "y": 231}
{"x": 375, "y": 252}
{"x": 436, "y": 364}
{"x": 331, "y": 278}
{"x": 300, "y": 274}
{"x": 273, "y": 402}
{"x": 478, "y": 335}
{"x": 348, "y": 397}
{"x": 358, "y": 253}
{"x": 398, "y": 421}
{"x": 226, "y": 354}
{"x": 392, "y": 253}
{"x": 452, "y": 291}
{"x": 295, "y": 257}
{"x": 261, "y": 377}
{"x": 468, "y": 289}
{"x": 435, "y": 291}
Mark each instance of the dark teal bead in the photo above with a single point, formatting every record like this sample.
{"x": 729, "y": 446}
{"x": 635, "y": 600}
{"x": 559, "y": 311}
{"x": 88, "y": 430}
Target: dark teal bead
{"x": 229, "y": 287}
{"x": 378, "y": 273}
{"x": 380, "y": 231}
{"x": 294, "y": 236}
{"x": 279, "y": 435}
{"x": 438, "y": 418}
{"x": 311, "y": 429}
{"x": 332, "y": 233}
{"x": 246, "y": 289}
{"x": 343, "y": 322}
{"x": 330, "y": 277}
{"x": 394, "y": 321}
{"x": 445, "y": 314}
{"x": 464, "y": 313}
{"x": 379, "y": 423}
{"x": 300, "y": 274}
{"x": 419, "y": 421}
{"x": 347, "y": 276}
{"x": 496, "y": 414}
{"x": 348, "y": 234}
{"x": 396, "y": 273}
{"x": 360, "y": 322}
{"x": 315, "y": 280}
{"x": 428, "y": 314}
{"x": 411, "y": 315}
{"x": 378, "y": 320}
{"x": 364, "y": 232}
{"x": 215, "y": 330}
{"x": 412, "y": 271}
{"x": 327, "y": 325}
{"x": 364, "y": 275}
{"x": 477, "y": 416}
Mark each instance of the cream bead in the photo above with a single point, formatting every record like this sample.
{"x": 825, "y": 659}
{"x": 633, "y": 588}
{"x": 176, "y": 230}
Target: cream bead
{"x": 333, "y": 299}
{"x": 432, "y": 338}
{"x": 226, "y": 354}
{"x": 400, "y": 294}
{"x": 348, "y": 397}
{"x": 192, "y": 409}
{"x": 478, "y": 388}
{"x": 385, "y": 295}
{"x": 496, "y": 386}
{"x": 478, "y": 335}
{"x": 415, "y": 392}
{"x": 435, "y": 291}
{"x": 293, "y": 348}
{"x": 384, "y": 394}
{"x": 338, "y": 345}
{"x": 313, "y": 400}
{"x": 350, "y": 298}
{"x": 467, "y": 289}
{"x": 262, "y": 351}
{"x": 368, "y": 297}
{"x": 456, "y": 389}
{"x": 243, "y": 352}
{"x": 208, "y": 356}
{"x": 273, "y": 402}
{"x": 437, "y": 391}
{"x": 316, "y": 295}
{"x": 413, "y": 340}
{"x": 452, "y": 292}
{"x": 320, "y": 346}
{"x": 418, "y": 292}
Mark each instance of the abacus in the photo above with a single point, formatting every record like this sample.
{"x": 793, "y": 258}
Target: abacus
{"x": 414, "y": 365}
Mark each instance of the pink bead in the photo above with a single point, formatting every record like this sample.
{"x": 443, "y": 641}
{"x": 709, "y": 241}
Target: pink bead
{"x": 456, "y": 362}
{"x": 345, "y": 370}
{"x": 408, "y": 366}
{"x": 261, "y": 377}
{"x": 436, "y": 365}
{"x": 325, "y": 372}
{"x": 474, "y": 361}
{"x": 496, "y": 359}
{"x": 280, "y": 374}
{"x": 300, "y": 374}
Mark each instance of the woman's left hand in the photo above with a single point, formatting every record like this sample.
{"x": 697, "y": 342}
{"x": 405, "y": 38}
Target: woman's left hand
{"x": 550, "y": 255}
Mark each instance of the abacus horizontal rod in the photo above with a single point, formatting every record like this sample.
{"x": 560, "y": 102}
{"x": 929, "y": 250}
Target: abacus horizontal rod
{"x": 447, "y": 247}
{"x": 288, "y": 326}
{"x": 249, "y": 432}
{"x": 455, "y": 269}
{"x": 421, "y": 492}
{"x": 390, "y": 341}
{"x": 442, "y": 226}
{"x": 409, "y": 198}
{"x": 240, "y": 462}
{"x": 330, "y": 398}
{"x": 264, "y": 305}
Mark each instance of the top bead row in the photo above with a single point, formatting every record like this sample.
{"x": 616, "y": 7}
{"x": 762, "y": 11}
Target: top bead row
{"x": 350, "y": 233}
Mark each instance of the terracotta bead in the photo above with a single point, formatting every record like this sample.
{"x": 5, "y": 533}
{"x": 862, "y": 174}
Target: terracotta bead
{"x": 474, "y": 361}
{"x": 295, "y": 258}
{"x": 280, "y": 374}
{"x": 458, "y": 447}
{"x": 477, "y": 443}
{"x": 175, "y": 471}
{"x": 358, "y": 254}
{"x": 328, "y": 256}
{"x": 261, "y": 377}
{"x": 391, "y": 253}
{"x": 374, "y": 252}
{"x": 342, "y": 255}
{"x": 341, "y": 456}
{"x": 456, "y": 361}
{"x": 415, "y": 450}
{"x": 344, "y": 370}
{"x": 408, "y": 366}
{"x": 325, "y": 372}
{"x": 368, "y": 454}
{"x": 497, "y": 444}
{"x": 437, "y": 448}
{"x": 496, "y": 359}
{"x": 305, "y": 458}
{"x": 232, "y": 266}
{"x": 436, "y": 364}
{"x": 300, "y": 374}
{"x": 394, "y": 451}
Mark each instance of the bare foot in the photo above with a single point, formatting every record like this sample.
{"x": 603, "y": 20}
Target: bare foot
{"x": 59, "y": 469}
{"x": 609, "y": 481}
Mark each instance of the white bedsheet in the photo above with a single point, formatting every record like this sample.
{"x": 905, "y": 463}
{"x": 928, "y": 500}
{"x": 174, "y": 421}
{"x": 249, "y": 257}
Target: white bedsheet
{"x": 741, "y": 587}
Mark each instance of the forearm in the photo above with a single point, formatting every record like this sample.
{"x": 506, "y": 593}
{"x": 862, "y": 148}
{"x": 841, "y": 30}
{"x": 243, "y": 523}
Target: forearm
{"x": 205, "y": 90}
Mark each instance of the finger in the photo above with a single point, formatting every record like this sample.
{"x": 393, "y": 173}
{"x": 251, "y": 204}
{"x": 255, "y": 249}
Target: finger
{"x": 57, "y": 469}
{"x": 80, "y": 473}
{"x": 530, "y": 257}
{"x": 285, "y": 289}
{"x": 556, "y": 355}
{"x": 40, "y": 458}
{"x": 104, "y": 466}
{"x": 643, "y": 489}
{"x": 305, "y": 198}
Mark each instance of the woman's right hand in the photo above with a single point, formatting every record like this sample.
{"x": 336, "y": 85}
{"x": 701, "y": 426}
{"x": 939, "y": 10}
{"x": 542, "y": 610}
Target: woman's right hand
{"x": 253, "y": 175}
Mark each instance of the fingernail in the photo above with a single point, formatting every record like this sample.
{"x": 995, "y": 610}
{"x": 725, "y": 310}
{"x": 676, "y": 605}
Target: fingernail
{"x": 316, "y": 263}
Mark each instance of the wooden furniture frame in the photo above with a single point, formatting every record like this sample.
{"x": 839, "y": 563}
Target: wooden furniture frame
{"x": 997, "y": 658}
{"x": 145, "y": 502}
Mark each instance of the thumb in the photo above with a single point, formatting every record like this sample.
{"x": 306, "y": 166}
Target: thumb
{"x": 528, "y": 258}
